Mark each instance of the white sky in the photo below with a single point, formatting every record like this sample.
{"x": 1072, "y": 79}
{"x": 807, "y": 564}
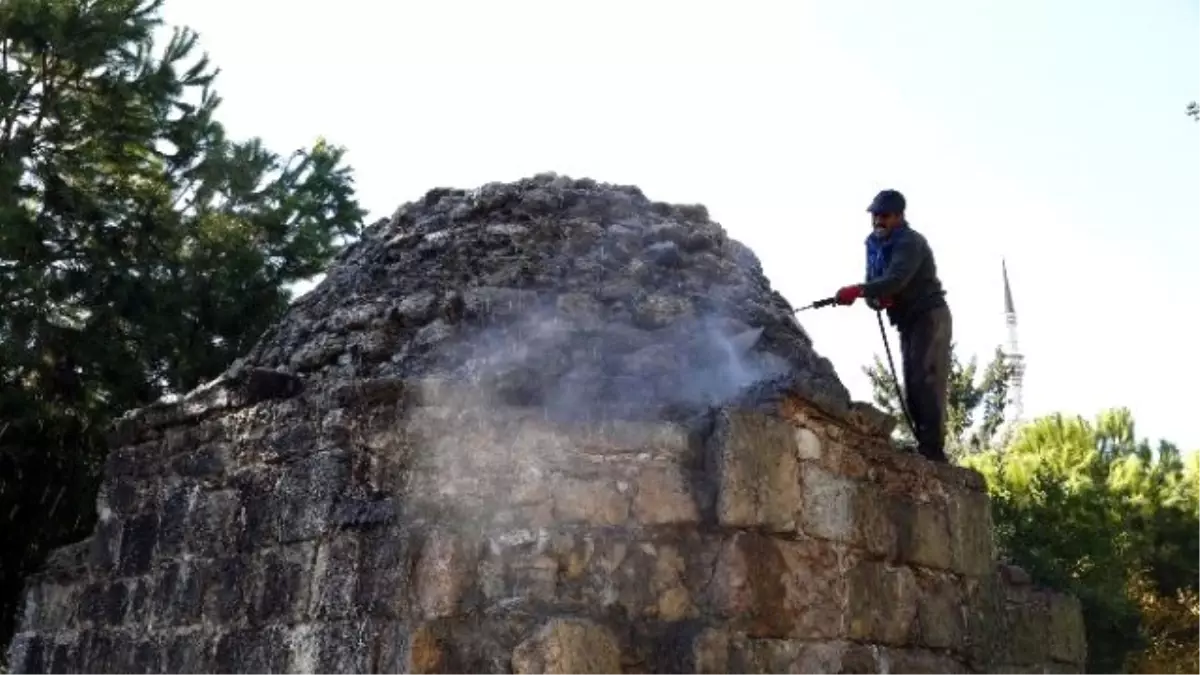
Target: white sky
{"x": 1050, "y": 133}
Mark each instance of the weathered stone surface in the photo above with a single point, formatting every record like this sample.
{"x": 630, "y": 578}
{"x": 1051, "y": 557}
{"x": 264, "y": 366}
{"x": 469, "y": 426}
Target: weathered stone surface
{"x": 758, "y": 473}
{"x": 547, "y": 426}
{"x": 882, "y": 604}
{"x": 828, "y": 504}
{"x": 776, "y": 588}
{"x": 939, "y": 610}
{"x": 710, "y": 652}
{"x": 970, "y": 521}
{"x": 569, "y": 646}
{"x": 663, "y": 498}
{"x": 443, "y": 566}
{"x": 789, "y": 656}
{"x": 1066, "y": 632}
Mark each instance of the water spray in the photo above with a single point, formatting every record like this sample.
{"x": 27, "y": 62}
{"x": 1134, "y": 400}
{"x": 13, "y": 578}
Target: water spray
{"x": 887, "y": 349}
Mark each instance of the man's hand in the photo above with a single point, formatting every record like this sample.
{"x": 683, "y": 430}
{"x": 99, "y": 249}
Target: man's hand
{"x": 848, "y": 294}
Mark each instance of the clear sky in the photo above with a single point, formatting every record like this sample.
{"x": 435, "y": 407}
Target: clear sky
{"x": 1049, "y": 133}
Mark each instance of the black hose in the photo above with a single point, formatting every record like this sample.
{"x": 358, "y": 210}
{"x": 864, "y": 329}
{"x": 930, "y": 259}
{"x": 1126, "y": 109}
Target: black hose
{"x": 887, "y": 349}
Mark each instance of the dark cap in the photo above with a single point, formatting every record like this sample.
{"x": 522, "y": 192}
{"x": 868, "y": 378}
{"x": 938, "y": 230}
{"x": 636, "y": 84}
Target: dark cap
{"x": 888, "y": 201}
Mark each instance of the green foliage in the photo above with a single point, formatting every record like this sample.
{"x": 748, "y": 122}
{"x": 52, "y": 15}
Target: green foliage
{"x": 1088, "y": 508}
{"x": 1169, "y": 625}
{"x": 975, "y": 407}
{"x": 141, "y": 249}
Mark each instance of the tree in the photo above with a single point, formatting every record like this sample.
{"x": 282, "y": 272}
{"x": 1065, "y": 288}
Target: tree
{"x": 1088, "y": 508}
{"x": 141, "y": 249}
{"x": 1193, "y": 111}
{"x": 1169, "y": 625}
{"x": 970, "y": 395}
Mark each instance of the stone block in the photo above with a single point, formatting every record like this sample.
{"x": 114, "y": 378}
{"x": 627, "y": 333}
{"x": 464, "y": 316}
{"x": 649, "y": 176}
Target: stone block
{"x": 126, "y": 497}
{"x": 105, "y": 542}
{"x": 597, "y": 502}
{"x": 252, "y": 650}
{"x": 133, "y": 462}
{"x": 970, "y": 521}
{"x": 107, "y": 603}
{"x": 344, "y": 646}
{"x": 528, "y": 576}
{"x": 808, "y": 444}
{"x": 1014, "y": 575}
{"x": 568, "y": 646}
{"x": 710, "y": 652}
{"x": 919, "y": 661}
{"x": 882, "y": 603}
{"x": 828, "y": 502}
{"x": 293, "y": 440}
{"x": 91, "y": 612}
{"x": 986, "y": 640}
{"x": 788, "y": 656}
{"x": 64, "y": 653}
{"x": 645, "y": 579}
{"x": 403, "y": 648}
{"x": 27, "y": 653}
{"x": 139, "y": 600}
{"x": 254, "y": 385}
{"x": 384, "y": 583}
{"x": 119, "y": 651}
{"x": 178, "y": 438}
{"x": 50, "y": 606}
{"x": 371, "y": 392}
{"x": 939, "y": 610}
{"x": 776, "y": 588}
{"x": 306, "y": 493}
{"x": 258, "y": 507}
{"x": 189, "y": 651}
{"x": 205, "y": 461}
{"x": 146, "y": 654}
{"x": 173, "y": 517}
{"x": 876, "y": 515}
{"x": 138, "y": 538}
{"x": 335, "y": 577}
{"x": 229, "y": 597}
{"x": 215, "y": 524}
{"x": 922, "y": 533}
{"x": 611, "y": 437}
{"x": 107, "y": 652}
{"x": 353, "y": 512}
{"x": 1067, "y": 637}
{"x": 284, "y": 578}
{"x": 662, "y": 498}
{"x": 179, "y": 592}
{"x": 442, "y": 573}
{"x": 1027, "y": 627}
{"x": 672, "y": 600}
{"x": 758, "y": 473}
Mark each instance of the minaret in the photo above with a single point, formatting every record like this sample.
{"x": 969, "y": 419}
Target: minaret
{"x": 1015, "y": 358}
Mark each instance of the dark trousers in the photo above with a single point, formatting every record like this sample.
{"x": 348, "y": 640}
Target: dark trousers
{"x": 925, "y": 350}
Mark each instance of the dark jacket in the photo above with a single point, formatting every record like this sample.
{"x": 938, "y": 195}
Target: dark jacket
{"x": 909, "y": 278}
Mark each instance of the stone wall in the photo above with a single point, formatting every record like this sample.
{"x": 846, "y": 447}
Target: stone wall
{"x": 549, "y": 425}
{"x": 389, "y": 525}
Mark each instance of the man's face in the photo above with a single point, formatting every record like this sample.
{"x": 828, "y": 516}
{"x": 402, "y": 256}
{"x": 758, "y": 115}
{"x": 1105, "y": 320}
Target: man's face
{"x": 885, "y": 222}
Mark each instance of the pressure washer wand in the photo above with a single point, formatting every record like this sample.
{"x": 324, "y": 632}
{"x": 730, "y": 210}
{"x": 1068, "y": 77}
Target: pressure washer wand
{"x": 819, "y": 304}
{"x": 887, "y": 348}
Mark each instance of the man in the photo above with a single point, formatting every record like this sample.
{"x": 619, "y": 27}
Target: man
{"x": 902, "y": 278}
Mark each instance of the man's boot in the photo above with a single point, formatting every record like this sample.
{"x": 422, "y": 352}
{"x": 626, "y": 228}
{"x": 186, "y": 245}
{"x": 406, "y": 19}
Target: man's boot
{"x": 934, "y": 455}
